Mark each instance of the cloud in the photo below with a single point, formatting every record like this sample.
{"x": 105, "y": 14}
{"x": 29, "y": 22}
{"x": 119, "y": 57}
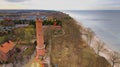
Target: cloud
{"x": 16, "y": 0}
{"x": 62, "y": 4}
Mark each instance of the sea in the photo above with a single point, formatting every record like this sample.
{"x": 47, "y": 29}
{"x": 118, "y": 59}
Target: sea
{"x": 105, "y": 23}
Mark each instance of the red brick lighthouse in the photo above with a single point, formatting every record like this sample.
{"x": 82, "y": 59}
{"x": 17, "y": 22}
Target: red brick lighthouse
{"x": 40, "y": 48}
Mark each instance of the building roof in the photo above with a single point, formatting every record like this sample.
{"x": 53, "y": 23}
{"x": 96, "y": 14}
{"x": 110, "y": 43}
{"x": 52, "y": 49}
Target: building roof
{"x": 7, "y": 46}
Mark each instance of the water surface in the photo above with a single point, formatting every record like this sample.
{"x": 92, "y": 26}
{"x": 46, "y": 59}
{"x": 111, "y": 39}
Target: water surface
{"x": 105, "y": 23}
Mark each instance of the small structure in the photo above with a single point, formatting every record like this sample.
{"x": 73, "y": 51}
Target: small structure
{"x": 5, "y": 50}
{"x": 57, "y": 26}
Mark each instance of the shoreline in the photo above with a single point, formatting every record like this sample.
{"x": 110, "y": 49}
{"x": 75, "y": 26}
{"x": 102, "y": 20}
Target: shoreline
{"x": 102, "y": 31}
{"x": 106, "y": 53}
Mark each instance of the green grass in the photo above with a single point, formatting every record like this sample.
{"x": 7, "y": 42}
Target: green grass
{"x": 2, "y": 38}
{"x": 27, "y": 52}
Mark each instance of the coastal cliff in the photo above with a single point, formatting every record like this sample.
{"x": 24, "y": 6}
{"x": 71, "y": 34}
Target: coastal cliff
{"x": 73, "y": 49}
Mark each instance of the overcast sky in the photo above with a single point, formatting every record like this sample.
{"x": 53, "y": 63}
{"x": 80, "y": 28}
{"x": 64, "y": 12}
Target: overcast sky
{"x": 61, "y": 4}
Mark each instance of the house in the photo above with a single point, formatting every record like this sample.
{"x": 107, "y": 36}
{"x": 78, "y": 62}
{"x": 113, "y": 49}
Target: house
{"x": 6, "y": 50}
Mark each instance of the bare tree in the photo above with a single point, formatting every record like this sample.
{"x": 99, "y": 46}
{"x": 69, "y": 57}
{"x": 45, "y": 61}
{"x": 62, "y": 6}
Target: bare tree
{"x": 48, "y": 33}
{"x": 115, "y": 58}
{"x": 84, "y": 32}
{"x": 99, "y": 47}
{"x": 90, "y": 36}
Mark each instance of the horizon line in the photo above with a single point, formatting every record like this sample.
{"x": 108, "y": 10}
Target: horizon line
{"x": 58, "y": 9}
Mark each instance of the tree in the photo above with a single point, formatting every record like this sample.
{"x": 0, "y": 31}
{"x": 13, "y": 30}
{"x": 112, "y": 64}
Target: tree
{"x": 99, "y": 47}
{"x": 90, "y": 36}
{"x": 115, "y": 58}
{"x": 48, "y": 33}
{"x": 19, "y": 34}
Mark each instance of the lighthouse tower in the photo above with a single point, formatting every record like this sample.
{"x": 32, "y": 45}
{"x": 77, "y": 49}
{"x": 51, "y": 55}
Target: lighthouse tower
{"x": 40, "y": 48}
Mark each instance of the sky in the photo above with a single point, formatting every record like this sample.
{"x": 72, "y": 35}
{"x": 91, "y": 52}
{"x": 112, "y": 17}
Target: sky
{"x": 61, "y": 4}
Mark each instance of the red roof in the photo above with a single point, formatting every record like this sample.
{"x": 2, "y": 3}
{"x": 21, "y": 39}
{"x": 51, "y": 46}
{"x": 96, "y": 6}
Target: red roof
{"x": 7, "y": 46}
